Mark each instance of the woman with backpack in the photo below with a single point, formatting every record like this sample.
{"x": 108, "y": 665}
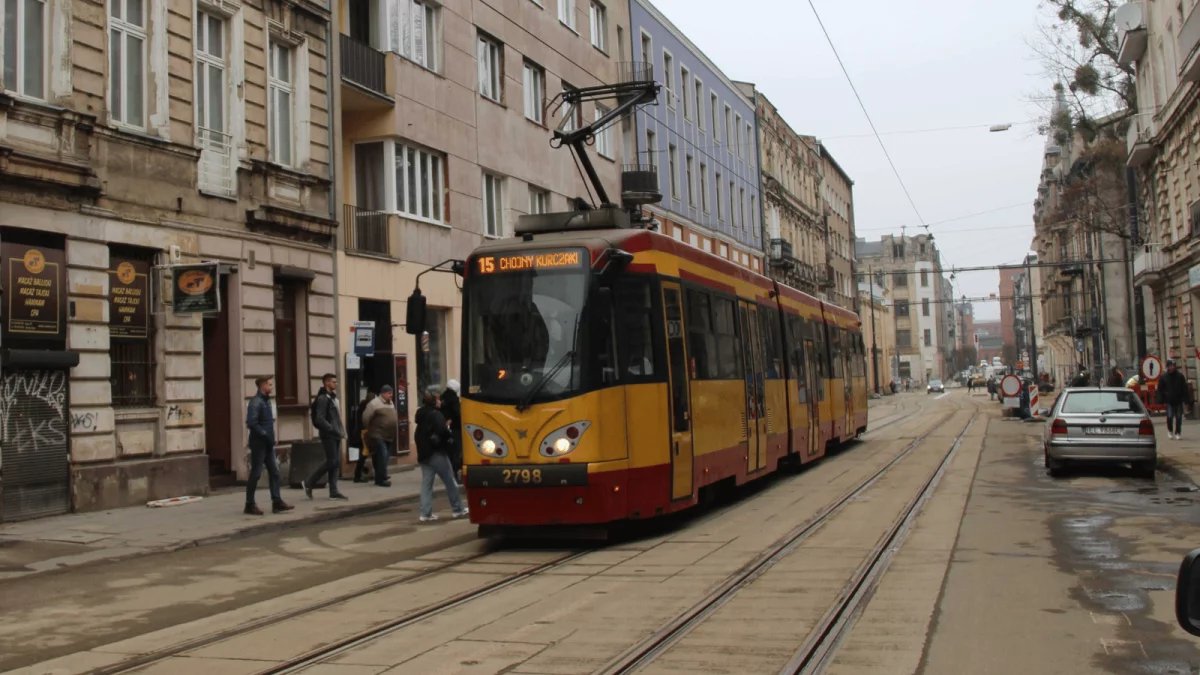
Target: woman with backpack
{"x": 434, "y": 441}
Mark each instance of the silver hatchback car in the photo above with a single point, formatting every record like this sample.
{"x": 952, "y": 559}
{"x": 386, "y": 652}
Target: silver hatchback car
{"x": 1100, "y": 424}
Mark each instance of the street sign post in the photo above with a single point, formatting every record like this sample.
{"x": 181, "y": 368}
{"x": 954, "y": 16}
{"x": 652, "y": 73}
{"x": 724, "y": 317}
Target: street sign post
{"x": 1152, "y": 368}
{"x": 1010, "y": 391}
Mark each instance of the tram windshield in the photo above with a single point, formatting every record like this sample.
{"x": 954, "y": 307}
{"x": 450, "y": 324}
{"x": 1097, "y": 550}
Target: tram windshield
{"x": 524, "y": 334}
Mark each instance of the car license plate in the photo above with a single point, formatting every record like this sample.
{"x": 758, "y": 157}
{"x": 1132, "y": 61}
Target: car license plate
{"x": 1103, "y": 431}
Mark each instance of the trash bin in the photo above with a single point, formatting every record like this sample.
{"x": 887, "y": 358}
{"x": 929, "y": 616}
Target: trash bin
{"x": 307, "y": 457}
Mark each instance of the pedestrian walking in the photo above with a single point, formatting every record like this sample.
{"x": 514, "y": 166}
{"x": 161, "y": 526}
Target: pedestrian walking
{"x": 260, "y": 420}
{"x": 327, "y": 418}
{"x": 970, "y": 386}
{"x": 433, "y": 441}
{"x": 452, "y": 411}
{"x": 1174, "y": 392}
{"x": 1082, "y": 379}
{"x": 381, "y": 423}
{"x": 1115, "y": 378}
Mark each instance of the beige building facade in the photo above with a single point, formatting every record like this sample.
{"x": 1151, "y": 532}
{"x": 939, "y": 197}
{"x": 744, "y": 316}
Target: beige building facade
{"x": 879, "y": 334}
{"x": 446, "y": 121}
{"x": 837, "y": 192}
{"x": 154, "y": 134}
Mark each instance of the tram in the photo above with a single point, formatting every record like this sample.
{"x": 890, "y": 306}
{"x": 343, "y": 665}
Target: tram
{"x": 619, "y": 374}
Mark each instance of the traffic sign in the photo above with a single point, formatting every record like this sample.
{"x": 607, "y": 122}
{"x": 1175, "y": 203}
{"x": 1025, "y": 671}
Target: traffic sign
{"x": 1152, "y": 368}
{"x": 1010, "y": 386}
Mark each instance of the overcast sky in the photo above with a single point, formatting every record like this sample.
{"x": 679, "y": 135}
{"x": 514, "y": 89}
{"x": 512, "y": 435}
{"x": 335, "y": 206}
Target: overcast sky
{"x": 936, "y": 64}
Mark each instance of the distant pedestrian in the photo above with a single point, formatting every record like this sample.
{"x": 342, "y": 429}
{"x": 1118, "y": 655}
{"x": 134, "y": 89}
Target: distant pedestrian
{"x": 908, "y": 385}
{"x": 452, "y": 411}
{"x": 1082, "y": 379}
{"x": 360, "y": 466}
{"x": 381, "y": 423}
{"x": 970, "y": 386}
{"x": 327, "y": 418}
{"x": 991, "y": 388}
{"x": 1115, "y": 378}
{"x": 433, "y": 441}
{"x": 260, "y": 420}
{"x": 1174, "y": 392}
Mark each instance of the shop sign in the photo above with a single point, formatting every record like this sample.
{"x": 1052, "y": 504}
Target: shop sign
{"x": 194, "y": 289}
{"x": 33, "y": 289}
{"x": 129, "y": 298}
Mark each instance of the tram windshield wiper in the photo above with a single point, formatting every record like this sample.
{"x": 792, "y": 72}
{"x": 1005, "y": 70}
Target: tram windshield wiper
{"x": 548, "y": 375}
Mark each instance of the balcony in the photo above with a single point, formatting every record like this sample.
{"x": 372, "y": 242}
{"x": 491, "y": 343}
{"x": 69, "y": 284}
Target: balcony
{"x": 1189, "y": 39}
{"x": 1148, "y": 266}
{"x": 366, "y": 230}
{"x": 365, "y": 70}
{"x": 215, "y": 171}
{"x": 781, "y": 253}
{"x": 1133, "y": 40}
{"x": 1139, "y": 140}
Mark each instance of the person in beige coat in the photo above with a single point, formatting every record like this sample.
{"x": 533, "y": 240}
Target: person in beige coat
{"x": 380, "y": 421}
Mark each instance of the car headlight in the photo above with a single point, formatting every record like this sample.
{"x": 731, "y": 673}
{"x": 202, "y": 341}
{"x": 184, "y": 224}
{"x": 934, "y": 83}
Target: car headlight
{"x": 563, "y": 441}
{"x": 488, "y": 443}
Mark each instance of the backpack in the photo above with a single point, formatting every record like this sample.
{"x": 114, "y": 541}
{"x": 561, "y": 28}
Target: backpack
{"x": 312, "y": 409}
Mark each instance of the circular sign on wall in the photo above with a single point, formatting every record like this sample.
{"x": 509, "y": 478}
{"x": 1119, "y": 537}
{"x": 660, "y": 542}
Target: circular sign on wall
{"x": 1010, "y": 386}
{"x": 1152, "y": 368}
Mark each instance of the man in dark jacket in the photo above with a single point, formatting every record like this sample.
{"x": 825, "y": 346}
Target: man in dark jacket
{"x": 1174, "y": 392}
{"x": 260, "y": 420}
{"x": 433, "y": 440}
{"x": 452, "y": 410}
{"x": 327, "y": 418}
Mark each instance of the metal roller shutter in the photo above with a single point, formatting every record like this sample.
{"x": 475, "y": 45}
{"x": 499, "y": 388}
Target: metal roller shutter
{"x": 34, "y": 455}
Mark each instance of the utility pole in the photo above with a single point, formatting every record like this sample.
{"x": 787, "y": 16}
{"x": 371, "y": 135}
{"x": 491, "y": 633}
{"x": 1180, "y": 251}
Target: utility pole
{"x": 874, "y": 333}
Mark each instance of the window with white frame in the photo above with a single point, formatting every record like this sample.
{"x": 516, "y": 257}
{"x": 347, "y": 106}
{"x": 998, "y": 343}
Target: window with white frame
{"x": 737, "y": 136}
{"x": 415, "y": 32}
{"x": 539, "y": 201}
{"x": 652, "y": 148}
{"x": 732, "y": 214}
{"x": 126, "y": 61}
{"x": 685, "y": 77}
{"x": 420, "y": 182}
{"x": 599, "y": 23}
{"x": 210, "y": 76}
{"x": 604, "y": 144}
{"x": 720, "y": 213}
{"x": 25, "y": 42}
{"x": 668, "y": 66}
{"x": 742, "y": 208}
{"x": 750, "y": 141}
{"x": 572, "y": 114}
{"x": 566, "y": 13}
{"x": 704, "y": 187}
{"x": 491, "y": 67}
{"x": 753, "y": 213}
{"x": 673, "y": 161}
{"x": 698, "y": 86}
{"x": 280, "y": 98}
{"x": 535, "y": 92}
{"x": 493, "y": 205}
{"x": 691, "y": 180}
{"x": 729, "y": 133}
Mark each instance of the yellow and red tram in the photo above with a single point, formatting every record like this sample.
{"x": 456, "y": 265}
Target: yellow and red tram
{"x": 619, "y": 374}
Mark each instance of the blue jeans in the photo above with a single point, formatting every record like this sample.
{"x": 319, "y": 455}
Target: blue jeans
{"x": 263, "y": 452}
{"x": 1174, "y": 413}
{"x": 380, "y": 449}
{"x": 438, "y": 465}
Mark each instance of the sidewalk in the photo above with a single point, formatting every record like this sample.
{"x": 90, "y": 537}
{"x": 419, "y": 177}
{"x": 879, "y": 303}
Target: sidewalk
{"x": 71, "y": 540}
{"x": 1181, "y": 457}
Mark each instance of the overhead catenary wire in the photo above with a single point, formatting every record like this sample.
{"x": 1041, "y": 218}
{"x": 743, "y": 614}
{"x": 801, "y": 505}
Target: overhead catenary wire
{"x": 928, "y": 131}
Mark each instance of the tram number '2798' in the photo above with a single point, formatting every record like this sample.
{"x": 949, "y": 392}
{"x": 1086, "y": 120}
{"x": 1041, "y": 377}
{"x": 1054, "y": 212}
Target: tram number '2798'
{"x": 522, "y": 476}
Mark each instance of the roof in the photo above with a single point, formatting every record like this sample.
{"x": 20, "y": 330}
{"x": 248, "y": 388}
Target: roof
{"x": 824, "y": 150}
{"x": 867, "y": 249}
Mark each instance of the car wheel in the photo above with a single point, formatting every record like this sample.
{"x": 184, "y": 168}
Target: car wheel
{"x": 1055, "y": 467}
{"x": 1145, "y": 469}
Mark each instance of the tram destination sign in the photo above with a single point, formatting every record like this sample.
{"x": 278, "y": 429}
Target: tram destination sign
{"x": 531, "y": 261}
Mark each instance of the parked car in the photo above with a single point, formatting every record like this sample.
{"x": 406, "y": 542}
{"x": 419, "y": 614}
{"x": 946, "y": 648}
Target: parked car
{"x": 935, "y": 385}
{"x": 1107, "y": 424}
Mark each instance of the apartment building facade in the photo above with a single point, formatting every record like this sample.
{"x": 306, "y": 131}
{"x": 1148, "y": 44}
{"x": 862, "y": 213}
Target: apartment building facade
{"x": 913, "y": 266}
{"x": 134, "y": 137}
{"x": 702, "y": 137}
{"x": 879, "y": 333}
{"x": 446, "y": 121}
{"x": 837, "y": 191}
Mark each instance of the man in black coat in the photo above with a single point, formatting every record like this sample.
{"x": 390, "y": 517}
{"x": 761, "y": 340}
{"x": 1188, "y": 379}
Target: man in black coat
{"x": 1174, "y": 392}
{"x": 452, "y": 410}
{"x": 327, "y": 418}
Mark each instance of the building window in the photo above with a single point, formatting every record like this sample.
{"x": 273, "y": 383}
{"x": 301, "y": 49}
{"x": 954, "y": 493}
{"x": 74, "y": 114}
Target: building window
{"x": 491, "y": 68}
{"x": 668, "y": 67}
{"x": 126, "y": 61}
{"x": 673, "y": 162}
{"x": 904, "y": 339}
{"x": 287, "y": 341}
{"x": 924, "y": 306}
{"x": 566, "y": 13}
{"x": 691, "y": 181}
{"x": 684, "y": 78}
{"x": 599, "y": 22}
{"x": 901, "y": 280}
{"x": 720, "y": 213}
{"x": 131, "y": 327}
{"x": 737, "y": 137}
{"x": 901, "y": 308}
{"x": 651, "y": 148}
{"x": 730, "y": 138}
{"x": 415, "y": 32}
{"x": 435, "y": 325}
{"x": 716, "y": 127}
{"x": 749, "y": 143}
{"x": 924, "y": 278}
{"x": 493, "y": 205}
{"x": 25, "y": 40}
{"x": 733, "y": 223}
{"x": 571, "y": 113}
{"x": 742, "y": 208}
{"x": 604, "y": 136}
{"x": 420, "y": 179}
{"x": 216, "y": 168}
{"x": 704, "y": 187}
{"x": 647, "y": 50}
{"x": 928, "y": 338}
{"x": 535, "y": 92}
{"x": 280, "y": 98}
{"x": 698, "y": 92}
{"x": 538, "y": 201}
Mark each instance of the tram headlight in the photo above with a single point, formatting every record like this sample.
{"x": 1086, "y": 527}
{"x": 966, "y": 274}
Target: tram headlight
{"x": 487, "y": 443}
{"x": 564, "y": 440}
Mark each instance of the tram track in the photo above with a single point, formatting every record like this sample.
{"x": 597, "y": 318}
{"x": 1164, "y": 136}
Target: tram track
{"x": 816, "y": 651}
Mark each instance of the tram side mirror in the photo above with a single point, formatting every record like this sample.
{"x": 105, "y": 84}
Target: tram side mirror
{"x": 414, "y": 321}
{"x": 1187, "y": 593}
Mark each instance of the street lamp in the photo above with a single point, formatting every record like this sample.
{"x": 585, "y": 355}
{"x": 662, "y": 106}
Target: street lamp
{"x": 999, "y": 127}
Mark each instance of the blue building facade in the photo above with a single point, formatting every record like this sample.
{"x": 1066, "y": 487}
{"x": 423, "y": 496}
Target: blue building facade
{"x": 703, "y": 137}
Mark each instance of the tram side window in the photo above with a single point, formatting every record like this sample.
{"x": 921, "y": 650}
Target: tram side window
{"x": 796, "y": 349}
{"x": 636, "y": 358}
{"x": 773, "y": 355}
{"x": 702, "y": 347}
{"x": 725, "y": 325}
{"x": 821, "y": 357}
{"x": 835, "y": 352}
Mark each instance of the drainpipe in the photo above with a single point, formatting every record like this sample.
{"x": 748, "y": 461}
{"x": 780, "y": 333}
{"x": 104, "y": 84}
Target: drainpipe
{"x": 762, "y": 202}
{"x": 333, "y": 66}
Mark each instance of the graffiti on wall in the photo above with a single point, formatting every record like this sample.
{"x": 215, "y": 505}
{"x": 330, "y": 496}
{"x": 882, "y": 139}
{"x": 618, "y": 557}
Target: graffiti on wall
{"x": 33, "y": 408}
